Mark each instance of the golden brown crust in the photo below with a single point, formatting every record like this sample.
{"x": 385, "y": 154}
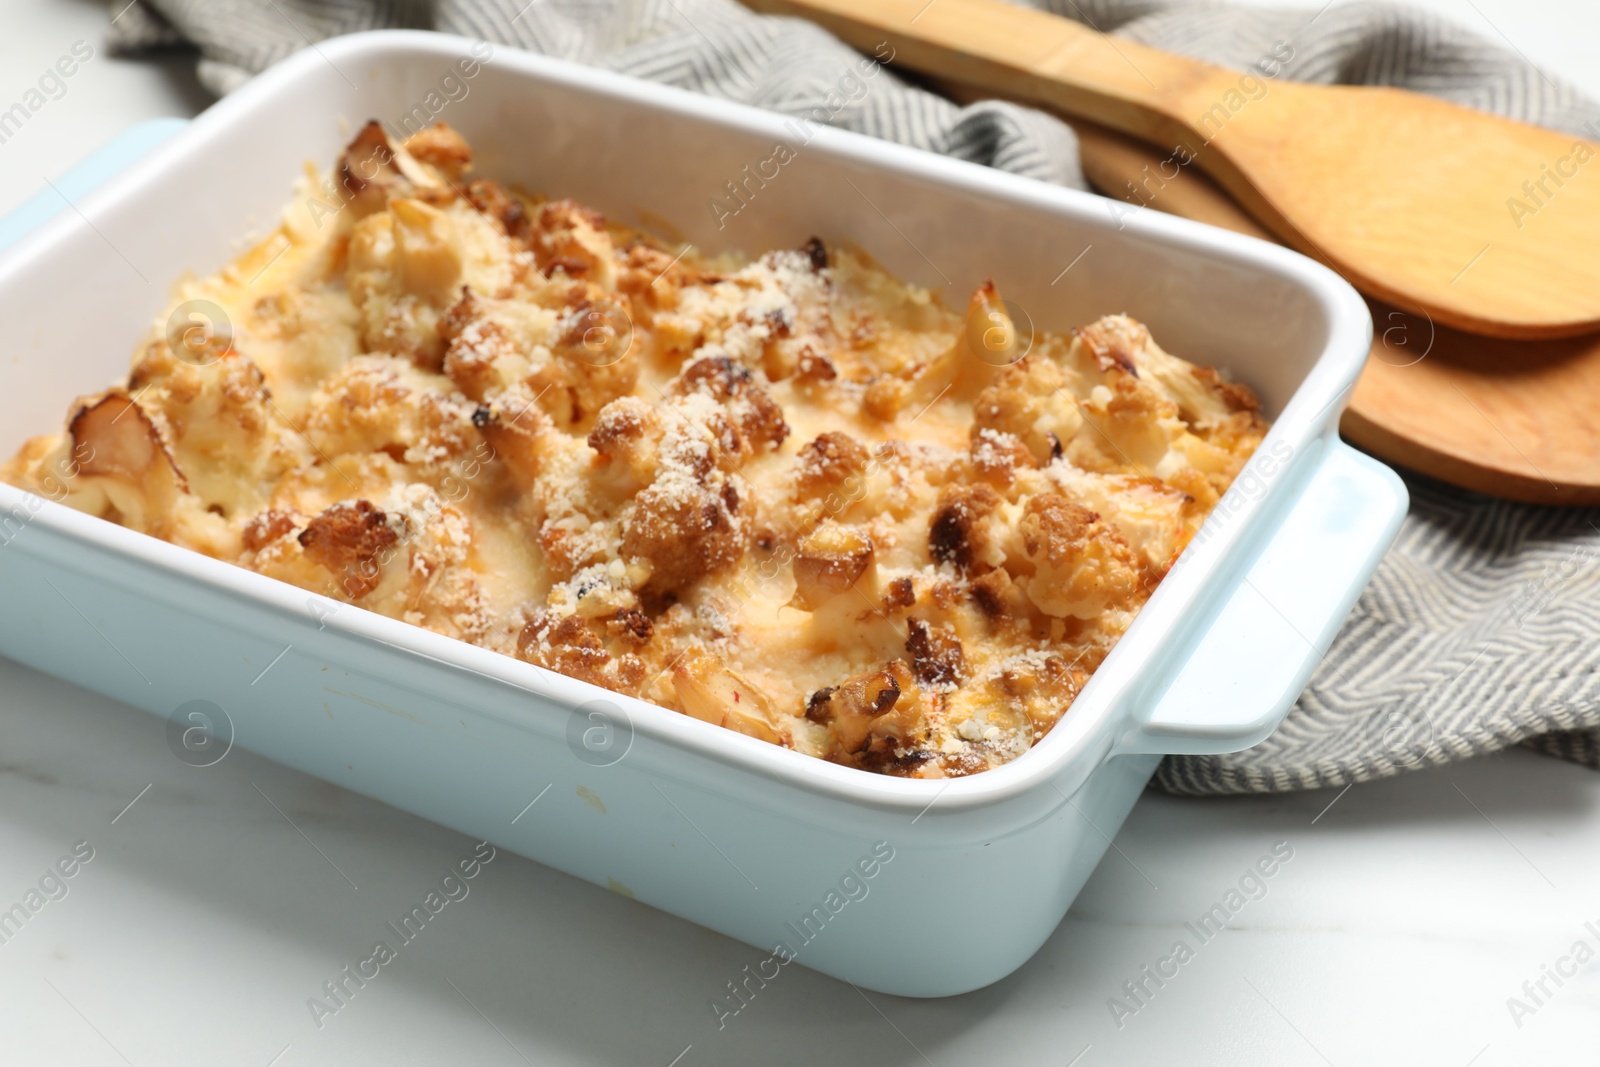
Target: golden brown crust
{"x": 791, "y": 497}
{"x": 1082, "y": 565}
{"x": 936, "y": 655}
{"x": 348, "y": 539}
{"x": 870, "y": 716}
{"x": 494, "y": 200}
{"x": 959, "y": 532}
{"x": 266, "y": 528}
{"x": 831, "y": 461}
{"x": 441, "y": 147}
{"x": 758, "y": 420}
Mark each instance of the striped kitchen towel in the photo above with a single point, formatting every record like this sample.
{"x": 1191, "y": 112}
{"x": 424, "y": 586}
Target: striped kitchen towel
{"x": 1481, "y": 629}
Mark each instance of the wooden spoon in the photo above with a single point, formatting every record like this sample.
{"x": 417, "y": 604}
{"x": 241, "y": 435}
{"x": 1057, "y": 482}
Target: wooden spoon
{"x": 1515, "y": 419}
{"x": 1413, "y": 199}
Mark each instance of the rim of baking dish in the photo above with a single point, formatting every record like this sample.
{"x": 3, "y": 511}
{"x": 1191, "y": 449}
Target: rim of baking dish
{"x": 1100, "y": 715}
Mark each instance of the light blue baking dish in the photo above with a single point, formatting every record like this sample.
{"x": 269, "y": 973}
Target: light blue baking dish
{"x": 967, "y": 877}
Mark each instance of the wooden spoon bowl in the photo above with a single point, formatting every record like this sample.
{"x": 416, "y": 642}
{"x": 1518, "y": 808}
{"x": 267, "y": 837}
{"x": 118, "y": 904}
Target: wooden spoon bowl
{"x": 1413, "y": 199}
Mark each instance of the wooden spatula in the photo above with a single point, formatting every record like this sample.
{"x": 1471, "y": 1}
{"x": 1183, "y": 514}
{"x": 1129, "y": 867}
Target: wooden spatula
{"x": 1510, "y": 418}
{"x": 1418, "y": 202}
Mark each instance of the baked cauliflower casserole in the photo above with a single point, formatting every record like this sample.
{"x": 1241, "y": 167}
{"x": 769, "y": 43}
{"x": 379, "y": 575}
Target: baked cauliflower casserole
{"x": 791, "y": 496}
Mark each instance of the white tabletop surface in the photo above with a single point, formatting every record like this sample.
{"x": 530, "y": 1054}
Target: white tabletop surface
{"x": 220, "y": 901}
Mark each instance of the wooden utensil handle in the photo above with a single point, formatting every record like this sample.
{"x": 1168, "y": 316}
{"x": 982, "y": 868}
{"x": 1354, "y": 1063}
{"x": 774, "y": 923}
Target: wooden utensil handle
{"x": 1023, "y": 54}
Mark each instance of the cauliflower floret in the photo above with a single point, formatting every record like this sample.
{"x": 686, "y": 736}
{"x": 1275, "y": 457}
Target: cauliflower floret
{"x": 598, "y": 650}
{"x": 409, "y": 559}
{"x": 570, "y": 239}
{"x": 967, "y": 530}
{"x": 688, "y": 521}
{"x": 220, "y": 422}
{"x": 591, "y": 360}
{"x": 380, "y": 404}
{"x": 127, "y": 471}
{"x": 1081, "y": 565}
{"x": 1031, "y": 400}
{"x": 876, "y": 719}
{"x": 354, "y": 542}
{"x": 1161, "y": 415}
{"x": 757, "y": 422}
{"x": 831, "y": 560}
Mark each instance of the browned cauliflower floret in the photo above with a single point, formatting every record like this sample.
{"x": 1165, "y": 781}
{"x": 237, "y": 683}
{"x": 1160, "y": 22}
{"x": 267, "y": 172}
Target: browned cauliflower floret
{"x": 997, "y": 456}
{"x": 997, "y": 595}
{"x": 885, "y": 397}
{"x": 520, "y": 437}
{"x": 403, "y": 267}
{"x": 477, "y": 349}
{"x": 442, "y": 148}
{"x": 374, "y": 169}
{"x": 829, "y": 464}
{"x": 1013, "y": 706}
{"x": 683, "y": 530}
{"x": 1031, "y": 400}
{"x": 406, "y": 554}
{"x": 502, "y": 205}
{"x": 351, "y": 539}
{"x": 1133, "y": 425}
{"x": 936, "y": 655}
{"x": 961, "y": 532}
{"x": 1117, "y": 346}
{"x": 757, "y": 420}
{"x": 572, "y": 360}
{"x": 564, "y": 495}
{"x": 830, "y": 560}
{"x": 265, "y": 527}
{"x": 685, "y": 514}
{"x": 1081, "y": 565}
{"x": 126, "y": 471}
{"x": 654, "y": 280}
{"x": 221, "y": 424}
{"x": 566, "y": 645}
{"x": 627, "y": 436}
{"x": 378, "y": 404}
{"x": 875, "y": 719}
{"x": 1162, "y": 415}
{"x": 568, "y": 238}
{"x": 593, "y": 362}
{"x": 1110, "y": 345}
{"x": 371, "y": 171}
{"x": 595, "y": 650}
{"x": 797, "y": 333}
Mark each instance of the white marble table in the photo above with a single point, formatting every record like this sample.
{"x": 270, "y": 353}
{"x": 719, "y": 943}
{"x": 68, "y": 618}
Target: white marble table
{"x": 218, "y": 900}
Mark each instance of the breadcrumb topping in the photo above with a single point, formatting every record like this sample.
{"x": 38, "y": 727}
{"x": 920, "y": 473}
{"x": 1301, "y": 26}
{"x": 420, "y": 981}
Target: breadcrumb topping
{"x": 789, "y": 496}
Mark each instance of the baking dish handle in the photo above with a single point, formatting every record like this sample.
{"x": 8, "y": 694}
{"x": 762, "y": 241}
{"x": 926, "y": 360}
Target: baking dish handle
{"x": 1256, "y": 657}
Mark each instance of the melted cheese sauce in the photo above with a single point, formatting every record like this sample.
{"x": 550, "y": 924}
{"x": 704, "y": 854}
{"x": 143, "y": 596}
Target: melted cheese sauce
{"x": 792, "y": 497}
